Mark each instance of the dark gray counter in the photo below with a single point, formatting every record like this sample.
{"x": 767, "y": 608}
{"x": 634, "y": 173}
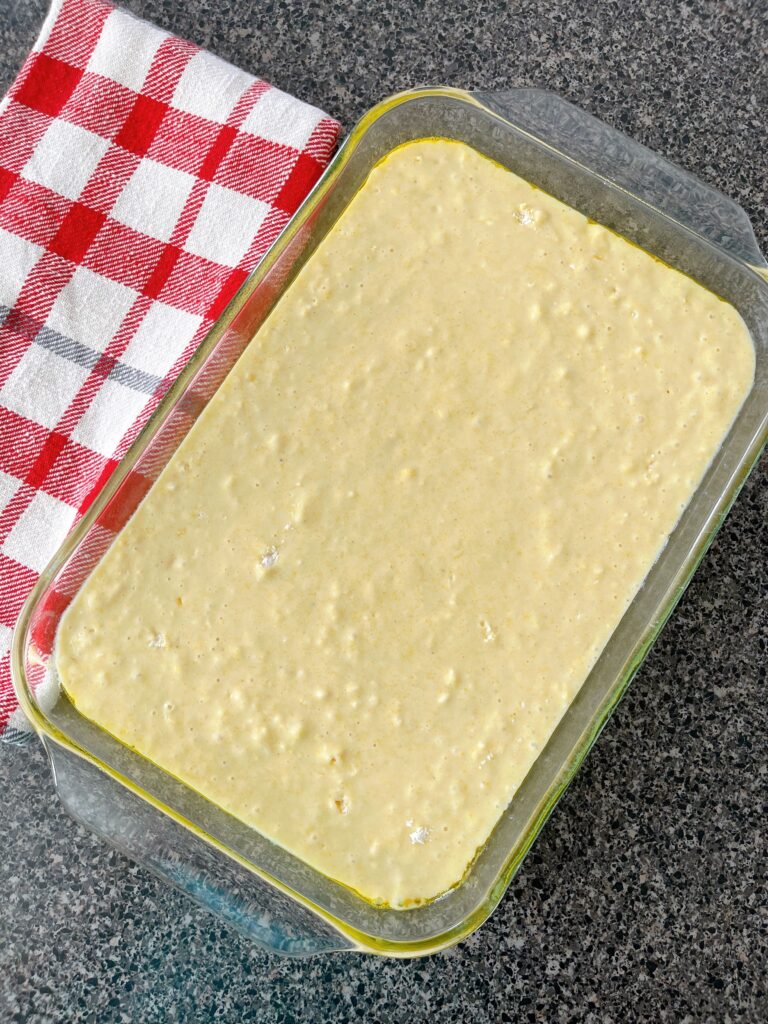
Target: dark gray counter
{"x": 644, "y": 898}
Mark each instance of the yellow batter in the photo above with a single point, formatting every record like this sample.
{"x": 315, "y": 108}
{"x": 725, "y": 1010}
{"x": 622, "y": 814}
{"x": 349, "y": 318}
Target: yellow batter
{"x": 360, "y": 597}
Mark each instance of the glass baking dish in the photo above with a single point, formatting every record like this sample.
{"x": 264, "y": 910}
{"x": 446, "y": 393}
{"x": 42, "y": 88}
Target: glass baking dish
{"x": 264, "y": 891}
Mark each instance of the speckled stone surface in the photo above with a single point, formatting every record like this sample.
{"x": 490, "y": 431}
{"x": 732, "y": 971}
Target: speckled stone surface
{"x": 645, "y": 896}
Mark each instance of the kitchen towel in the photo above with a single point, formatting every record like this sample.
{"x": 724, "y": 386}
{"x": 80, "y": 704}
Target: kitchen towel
{"x": 141, "y": 180}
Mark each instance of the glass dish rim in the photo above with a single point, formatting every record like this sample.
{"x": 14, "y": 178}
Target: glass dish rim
{"x": 47, "y": 728}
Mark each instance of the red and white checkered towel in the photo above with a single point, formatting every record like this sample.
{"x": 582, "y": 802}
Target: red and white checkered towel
{"x": 141, "y": 180}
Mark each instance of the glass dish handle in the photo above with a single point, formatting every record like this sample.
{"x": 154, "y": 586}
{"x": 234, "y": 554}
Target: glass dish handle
{"x": 629, "y": 165}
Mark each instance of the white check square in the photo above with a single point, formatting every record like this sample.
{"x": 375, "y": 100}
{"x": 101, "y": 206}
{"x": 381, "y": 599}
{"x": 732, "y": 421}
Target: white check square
{"x": 153, "y": 199}
{"x": 126, "y": 49}
{"x": 209, "y": 88}
{"x": 90, "y": 308}
{"x": 65, "y": 158}
{"x": 281, "y": 118}
{"x": 42, "y": 386}
{"x": 226, "y": 225}
{"x": 17, "y": 257}
{"x": 113, "y": 410}
{"x": 8, "y": 487}
{"x": 161, "y": 338}
{"x": 6, "y": 633}
{"x": 38, "y": 531}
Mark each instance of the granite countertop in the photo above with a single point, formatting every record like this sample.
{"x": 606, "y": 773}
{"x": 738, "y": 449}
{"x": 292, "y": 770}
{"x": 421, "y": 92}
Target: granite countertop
{"x": 644, "y": 897}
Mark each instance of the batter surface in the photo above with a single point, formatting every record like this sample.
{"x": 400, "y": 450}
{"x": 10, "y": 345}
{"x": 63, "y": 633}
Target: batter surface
{"x": 362, "y": 594}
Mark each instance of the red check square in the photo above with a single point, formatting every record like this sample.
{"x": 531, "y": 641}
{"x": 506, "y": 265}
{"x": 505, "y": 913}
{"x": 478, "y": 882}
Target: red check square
{"x": 76, "y": 232}
{"x": 50, "y": 451}
{"x": 48, "y": 85}
{"x": 7, "y": 178}
{"x": 141, "y": 125}
{"x": 305, "y": 173}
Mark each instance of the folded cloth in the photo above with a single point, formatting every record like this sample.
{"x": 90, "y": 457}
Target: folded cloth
{"x": 141, "y": 180}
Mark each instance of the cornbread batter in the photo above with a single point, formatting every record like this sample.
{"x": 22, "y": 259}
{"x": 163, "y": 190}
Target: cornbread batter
{"x": 362, "y": 594}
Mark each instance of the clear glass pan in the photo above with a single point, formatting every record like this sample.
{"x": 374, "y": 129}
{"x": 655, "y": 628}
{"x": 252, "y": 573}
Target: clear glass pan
{"x": 265, "y": 892}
